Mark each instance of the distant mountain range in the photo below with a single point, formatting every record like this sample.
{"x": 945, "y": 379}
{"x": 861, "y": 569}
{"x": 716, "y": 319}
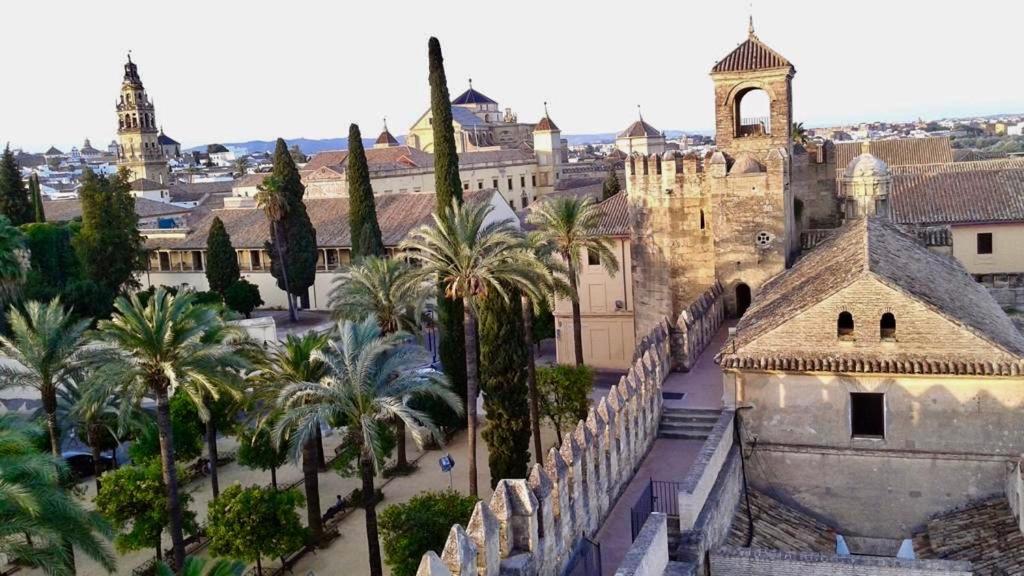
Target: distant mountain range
{"x": 313, "y": 145}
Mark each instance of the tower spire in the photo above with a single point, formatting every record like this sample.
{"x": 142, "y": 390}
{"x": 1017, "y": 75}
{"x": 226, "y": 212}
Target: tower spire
{"x": 639, "y": 113}
{"x": 750, "y": 27}
{"x": 385, "y": 123}
{"x": 546, "y": 109}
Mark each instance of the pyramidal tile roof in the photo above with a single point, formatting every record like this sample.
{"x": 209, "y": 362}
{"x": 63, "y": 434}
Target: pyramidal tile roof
{"x": 752, "y": 54}
{"x": 472, "y": 96}
{"x": 546, "y": 124}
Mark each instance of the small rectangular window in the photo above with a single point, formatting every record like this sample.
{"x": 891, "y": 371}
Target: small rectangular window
{"x": 867, "y": 414}
{"x": 522, "y": 181}
{"x": 465, "y": 186}
{"x": 593, "y": 258}
{"x": 984, "y": 243}
{"x": 480, "y": 185}
{"x": 509, "y": 183}
{"x": 494, "y": 183}
{"x": 533, "y": 180}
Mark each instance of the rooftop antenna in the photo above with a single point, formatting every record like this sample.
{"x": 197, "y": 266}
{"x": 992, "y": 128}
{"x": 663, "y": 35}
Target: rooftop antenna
{"x": 750, "y": 25}
{"x": 385, "y": 123}
{"x": 129, "y": 56}
{"x": 470, "y": 83}
{"x": 639, "y": 113}
{"x": 546, "y": 109}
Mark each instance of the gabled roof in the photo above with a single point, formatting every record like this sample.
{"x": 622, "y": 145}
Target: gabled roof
{"x": 989, "y": 191}
{"x": 751, "y": 55}
{"x": 546, "y": 124}
{"x": 53, "y": 152}
{"x": 639, "y": 129}
{"x": 898, "y": 151}
{"x": 471, "y": 96}
{"x": 67, "y": 210}
{"x": 874, "y": 247}
{"x": 145, "y": 184}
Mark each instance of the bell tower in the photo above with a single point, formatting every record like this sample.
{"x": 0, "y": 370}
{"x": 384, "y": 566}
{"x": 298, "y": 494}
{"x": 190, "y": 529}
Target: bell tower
{"x": 138, "y": 147}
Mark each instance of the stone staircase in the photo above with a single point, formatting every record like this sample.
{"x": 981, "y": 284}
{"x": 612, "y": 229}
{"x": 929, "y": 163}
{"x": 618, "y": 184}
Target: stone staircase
{"x": 687, "y": 423}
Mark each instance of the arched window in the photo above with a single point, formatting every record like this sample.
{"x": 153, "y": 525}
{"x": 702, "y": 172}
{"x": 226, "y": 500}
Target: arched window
{"x": 887, "y": 326}
{"x": 753, "y": 113}
{"x": 702, "y": 224}
{"x": 844, "y": 325}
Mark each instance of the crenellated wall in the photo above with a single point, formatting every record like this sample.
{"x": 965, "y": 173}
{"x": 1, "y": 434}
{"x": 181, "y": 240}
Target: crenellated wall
{"x": 531, "y": 526}
{"x": 696, "y": 326}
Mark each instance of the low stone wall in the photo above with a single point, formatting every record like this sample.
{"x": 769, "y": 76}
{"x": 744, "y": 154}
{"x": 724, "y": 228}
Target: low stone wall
{"x": 729, "y": 561}
{"x": 696, "y": 326}
{"x": 262, "y": 329}
{"x": 1006, "y": 289}
{"x": 1015, "y": 491}
{"x": 530, "y": 527}
{"x": 715, "y": 521}
{"x": 705, "y": 470}
{"x": 648, "y": 556}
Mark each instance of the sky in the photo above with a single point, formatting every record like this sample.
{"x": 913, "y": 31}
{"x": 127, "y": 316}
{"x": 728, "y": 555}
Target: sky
{"x": 227, "y": 71}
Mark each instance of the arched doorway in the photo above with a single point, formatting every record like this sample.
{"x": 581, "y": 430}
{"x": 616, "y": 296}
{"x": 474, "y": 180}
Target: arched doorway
{"x": 742, "y": 299}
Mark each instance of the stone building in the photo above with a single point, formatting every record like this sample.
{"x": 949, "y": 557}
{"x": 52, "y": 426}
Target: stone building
{"x": 139, "y": 147}
{"x": 478, "y": 124}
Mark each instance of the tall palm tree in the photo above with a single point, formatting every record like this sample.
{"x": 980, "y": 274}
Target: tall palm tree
{"x": 572, "y": 225}
{"x": 272, "y": 201}
{"x": 152, "y": 349}
{"x": 799, "y": 133}
{"x": 386, "y": 288}
{"x": 368, "y": 374}
{"x": 470, "y": 258}
{"x": 46, "y": 345}
{"x": 40, "y": 521}
{"x": 298, "y": 361}
{"x": 14, "y": 262}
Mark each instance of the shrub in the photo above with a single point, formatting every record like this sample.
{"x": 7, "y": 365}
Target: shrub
{"x": 187, "y": 430}
{"x": 410, "y": 529}
{"x": 243, "y": 297}
{"x": 564, "y": 392}
{"x": 255, "y": 522}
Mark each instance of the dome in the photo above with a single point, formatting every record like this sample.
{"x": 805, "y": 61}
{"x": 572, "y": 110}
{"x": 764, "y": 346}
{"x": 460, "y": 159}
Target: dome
{"x": 746, "y": 164}
{"x": 866, "y": 166}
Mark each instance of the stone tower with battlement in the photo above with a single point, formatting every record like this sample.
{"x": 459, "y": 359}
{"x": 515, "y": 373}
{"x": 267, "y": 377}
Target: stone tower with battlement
{"x": 138, "y": 133}
{"x": 727, "y": 217}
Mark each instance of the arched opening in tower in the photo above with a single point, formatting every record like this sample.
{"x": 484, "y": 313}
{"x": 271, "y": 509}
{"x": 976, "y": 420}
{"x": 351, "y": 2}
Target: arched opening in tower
{"x": 742, "y": 298}
{"x": 753, "y": 113}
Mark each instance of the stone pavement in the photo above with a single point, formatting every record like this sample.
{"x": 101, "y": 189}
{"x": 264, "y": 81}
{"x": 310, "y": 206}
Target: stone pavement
{"x": 669, "y": 459}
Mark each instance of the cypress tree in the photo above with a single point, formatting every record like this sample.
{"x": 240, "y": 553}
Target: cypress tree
{"x": 503, "y": 382}
{"x": 362, "y": 211}
{"x": 14, "y": 202}
{"x": 299, "y": 236}
{"x": 448, "y": 187}
{"x": 221, "y": 260}
{"x": 37, "y": 198}
{"x": 611, "y": 185}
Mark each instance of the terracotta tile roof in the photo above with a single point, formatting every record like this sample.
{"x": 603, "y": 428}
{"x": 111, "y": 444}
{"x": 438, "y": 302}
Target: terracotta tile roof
{"x": 959, "y": 166}
{"x": 386, "y": 138}
{"x": 752, "y": 54}
{"x": 145, "y": 184}
{"x": 328, "y": 158}
{"x": 391, "y": 158}
{"x": 898, "y": 151}
{"x": 779, "y": 527}
{"x": 66, "y": 210}
{"x": 639, "y": 129}
{"x": 397, "y": 214}
{"x": 546, "y": 124}
{"x": 985, "y": 534}
{"x": 876, "y": 248}
{"x": 986, "y": 194}
{"x": 250, "y": 180}
{"x": 615, "y": 216}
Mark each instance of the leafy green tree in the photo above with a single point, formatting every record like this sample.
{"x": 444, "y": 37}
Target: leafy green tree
{"x": 14, "y": 262}
{"x": 565, "y": 395}
{"x": 571, "y": 226}
{"x": 134, "y": 499}
{"x": 243, "y": 297}
{"x": 109, "y": 245}
{"x": 362, "y": 211}
{"x": 471, "y": 259}
{"x": 256, "y": 449}
{"x": 41, "y": 523}
{"x": 611, "y": 185}
{"x": 298, "y": 360}
{"x": 54, "y": 264}
{"x": 293, "y": 238}
{"x": 186, "y": 427}
{"x": 368, "y": 374}
{"x": 503, "y": 381}
{"x": 14, "y": 200}
{"x": 255, "y": 522}
{"x": 196, "y": 566}
{"x": 47, "y": 346}
{"x": 37, "y": 198}
{"x": 221, "y": 259}
{"x": 411, "y": 529}
{"x": 448, "y": 187}
{"x": 153, "y": 349}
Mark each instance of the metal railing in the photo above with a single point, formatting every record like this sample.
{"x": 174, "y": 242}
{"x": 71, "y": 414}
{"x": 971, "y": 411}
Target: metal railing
{"x": 586, "y": 561}
{"x": 755, "y": 126}
{"x": 657, "y": 496}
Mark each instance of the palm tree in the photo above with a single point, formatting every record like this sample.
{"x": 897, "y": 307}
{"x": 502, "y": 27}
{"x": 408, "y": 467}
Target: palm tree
{"x": 368, "y": 374}
{"x": 298, "y": 361}
{"x": 272, "y": 201}
{"x": 799, "y": 133}
{"x": 46, "y": 346}
{"x": 470, "y": 258}
{"x": 154, "y": 348}
{"x": 41, "y": 522}
{"x": 386, "y": 288}
{"x": 241, "y": 165}
{"x": 572, "y": 225}
{"x": 195, "y": 566}
{"x": 14, "y": 262}
{"x": 92, "y": 412}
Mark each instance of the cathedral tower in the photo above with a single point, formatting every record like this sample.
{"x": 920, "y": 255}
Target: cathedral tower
{"x": 139, "y": 149}
{"x": 547, "y": 145}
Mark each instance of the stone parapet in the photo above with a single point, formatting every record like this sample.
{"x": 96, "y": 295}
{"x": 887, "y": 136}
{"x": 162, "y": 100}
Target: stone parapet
{"x": 729, "y": 561}
{"x": 648, "y": 556}
{"x": 704, "y": 472}
{"x": 531, "y": 527}
{"x": 697, "y": 325}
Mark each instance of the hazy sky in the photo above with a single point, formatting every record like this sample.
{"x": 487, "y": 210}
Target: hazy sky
{"x": 228, "y": 71}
